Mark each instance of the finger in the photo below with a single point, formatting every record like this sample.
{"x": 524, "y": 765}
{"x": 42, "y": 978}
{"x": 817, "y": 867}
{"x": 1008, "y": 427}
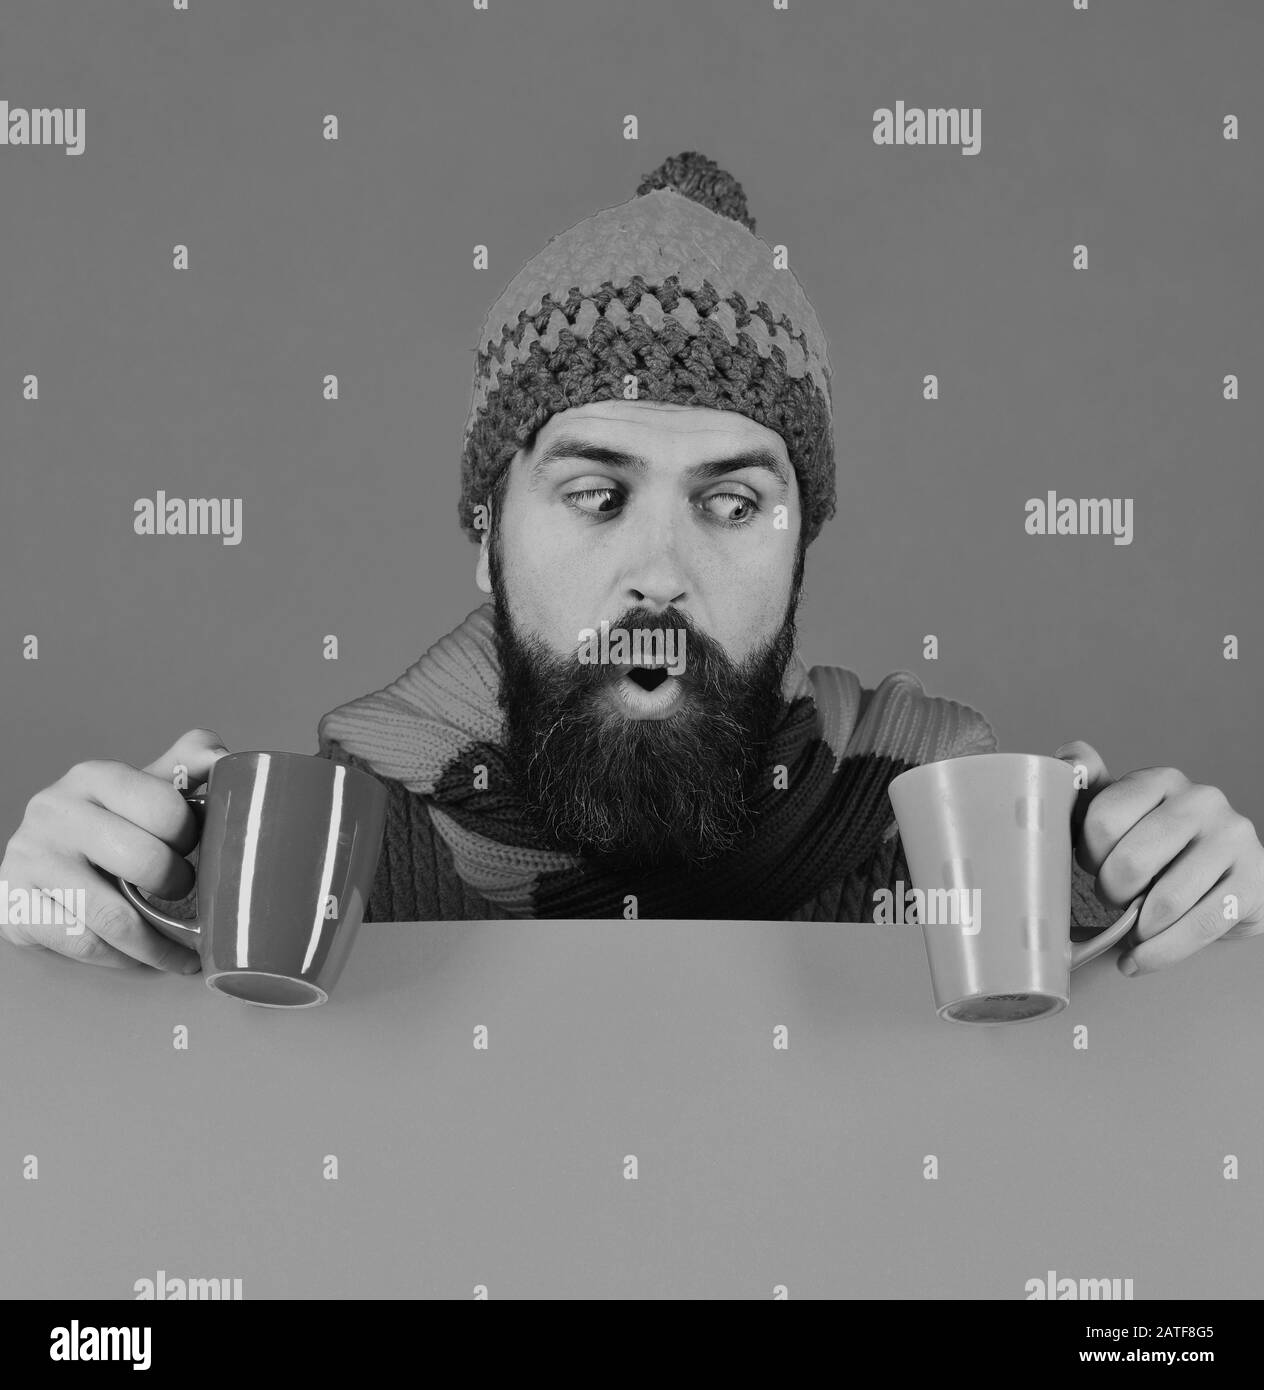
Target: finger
{"x": 1116, "y": 809}
{"x": 141, "y": 800}
{"x": 98, "y": 925}
{"x": 1077, "y": 751}
{"x": 1187, "y": 879}
{"x": 1204, "y": 923}
{"x": 116, "y": 845}
{"x": 196, "y": 751}
{"x": 94, "y": 951}
{"x": 1147, "y": 852}
{"x": 1091, "y": 777}
{"x": 1245, "y": 909}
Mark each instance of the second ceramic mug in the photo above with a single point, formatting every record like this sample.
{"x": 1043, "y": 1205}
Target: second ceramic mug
{"x": 287, "y": 854}
{"x": 993, "y": 831}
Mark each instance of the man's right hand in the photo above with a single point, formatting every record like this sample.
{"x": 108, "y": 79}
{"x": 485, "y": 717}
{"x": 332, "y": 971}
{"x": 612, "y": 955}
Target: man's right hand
{"x": 106, "y": 818}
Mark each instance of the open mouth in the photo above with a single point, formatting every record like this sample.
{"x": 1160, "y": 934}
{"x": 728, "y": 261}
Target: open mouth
{"x": 648, "y": 677}
{"x": 646, "y": 692}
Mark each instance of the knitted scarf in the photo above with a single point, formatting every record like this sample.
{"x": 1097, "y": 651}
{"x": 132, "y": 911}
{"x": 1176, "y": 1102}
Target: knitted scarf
{"x": 437, "y": 730}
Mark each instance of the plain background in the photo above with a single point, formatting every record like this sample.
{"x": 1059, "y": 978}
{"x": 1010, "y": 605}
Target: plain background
{"x": 504, "y": 128}
{"x": 309, "y": 257}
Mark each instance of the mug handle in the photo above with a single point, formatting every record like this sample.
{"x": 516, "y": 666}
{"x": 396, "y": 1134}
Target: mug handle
{"x": 185, "y": 933}
{"x": 1084, "y": 951}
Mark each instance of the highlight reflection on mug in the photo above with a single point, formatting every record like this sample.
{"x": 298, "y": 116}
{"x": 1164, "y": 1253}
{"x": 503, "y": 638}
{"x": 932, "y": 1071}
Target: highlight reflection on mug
{"x": 954, "y": 907}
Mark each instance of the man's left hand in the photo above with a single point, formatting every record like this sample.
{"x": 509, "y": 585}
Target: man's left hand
{"x": 1203, "y": 862}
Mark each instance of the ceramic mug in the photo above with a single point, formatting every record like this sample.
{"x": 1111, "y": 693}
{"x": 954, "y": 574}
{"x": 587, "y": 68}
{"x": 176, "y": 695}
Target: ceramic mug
{"x": 987, "y": 840}
{"x": 288, "y": 849}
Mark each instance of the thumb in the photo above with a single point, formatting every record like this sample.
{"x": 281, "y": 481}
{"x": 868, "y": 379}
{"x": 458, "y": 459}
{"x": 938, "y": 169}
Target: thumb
{"x": 194, "y": 753}
{"x": 1092, "y": 777}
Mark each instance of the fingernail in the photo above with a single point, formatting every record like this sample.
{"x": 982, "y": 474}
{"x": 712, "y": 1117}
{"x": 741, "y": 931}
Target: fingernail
{"x": 1128, "y": 965}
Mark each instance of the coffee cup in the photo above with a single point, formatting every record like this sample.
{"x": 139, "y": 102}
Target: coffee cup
{"x": 987, "y": 840}
{"x": 288, "y": 849}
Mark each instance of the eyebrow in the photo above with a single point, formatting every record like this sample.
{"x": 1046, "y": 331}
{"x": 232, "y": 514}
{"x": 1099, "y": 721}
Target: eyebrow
{"x": 566, "y": 447}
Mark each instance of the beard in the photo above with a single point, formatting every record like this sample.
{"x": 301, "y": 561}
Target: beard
{"x": 640, "y": 793}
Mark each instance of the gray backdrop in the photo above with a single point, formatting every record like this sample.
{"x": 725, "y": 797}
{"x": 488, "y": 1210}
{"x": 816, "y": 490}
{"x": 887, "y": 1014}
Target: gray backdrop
{"x": 308, "y": 257}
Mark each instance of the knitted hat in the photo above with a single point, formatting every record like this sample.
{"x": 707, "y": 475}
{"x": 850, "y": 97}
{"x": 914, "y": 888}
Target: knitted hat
{"x": 674, "y": 288}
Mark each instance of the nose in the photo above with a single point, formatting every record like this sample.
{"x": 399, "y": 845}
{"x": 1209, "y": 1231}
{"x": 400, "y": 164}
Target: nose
{"x": 655, "y": 576}
{"x": 659, "y": 598}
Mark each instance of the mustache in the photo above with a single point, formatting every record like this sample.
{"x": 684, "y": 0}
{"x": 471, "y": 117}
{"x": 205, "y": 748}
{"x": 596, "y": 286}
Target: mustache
{"x": 703, "y": 666}
{"x": 645, "y": 792}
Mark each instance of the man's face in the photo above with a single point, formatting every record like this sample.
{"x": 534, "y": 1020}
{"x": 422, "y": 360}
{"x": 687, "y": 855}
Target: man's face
{"x": 655, "y": 525}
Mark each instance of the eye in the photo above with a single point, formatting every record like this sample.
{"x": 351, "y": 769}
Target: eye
{"x": 605, "y": 496}
{"x": 739, "y": 508}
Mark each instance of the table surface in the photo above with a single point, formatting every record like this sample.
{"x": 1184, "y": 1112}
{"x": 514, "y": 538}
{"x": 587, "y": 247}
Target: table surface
{"x": 505, "y": 1168}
